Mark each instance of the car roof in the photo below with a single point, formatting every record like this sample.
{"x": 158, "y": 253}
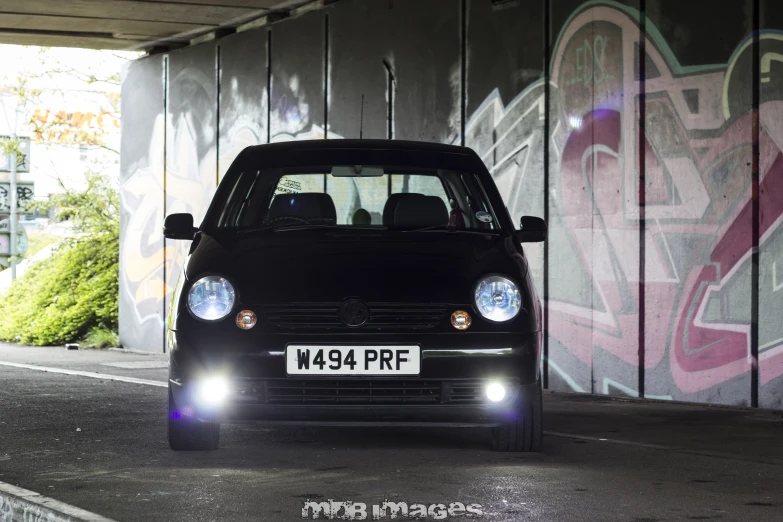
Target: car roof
{"x": 360, "y": 152}
{"x": 370, "y": 144}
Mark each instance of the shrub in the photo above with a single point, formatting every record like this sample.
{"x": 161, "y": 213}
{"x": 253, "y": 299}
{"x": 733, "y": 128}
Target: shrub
{"x": 101, "y": 337}
{"x": 61, "y": 299}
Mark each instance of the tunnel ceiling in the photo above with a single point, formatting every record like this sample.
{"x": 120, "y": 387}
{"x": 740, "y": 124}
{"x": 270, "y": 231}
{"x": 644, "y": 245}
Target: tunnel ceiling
{"x": 127, "y": 24}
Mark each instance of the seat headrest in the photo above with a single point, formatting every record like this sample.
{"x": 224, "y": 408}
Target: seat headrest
{"x": 309, "y": 206}
{"x": 390, "y": 207}
{"x": 417, "y": 210}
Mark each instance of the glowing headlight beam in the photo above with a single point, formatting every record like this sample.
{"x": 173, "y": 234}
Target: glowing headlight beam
{"x": 497, "y": 298}
{"x": 211, "y": 298}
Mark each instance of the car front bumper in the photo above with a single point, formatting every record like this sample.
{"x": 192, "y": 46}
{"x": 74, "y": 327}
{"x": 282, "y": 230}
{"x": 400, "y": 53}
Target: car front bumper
{"x": 450, "y": 389}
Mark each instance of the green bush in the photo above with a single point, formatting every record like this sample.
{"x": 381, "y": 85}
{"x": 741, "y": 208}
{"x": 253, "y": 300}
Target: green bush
{"x": 101, "y": 337}
{"x": 61, "y": 299}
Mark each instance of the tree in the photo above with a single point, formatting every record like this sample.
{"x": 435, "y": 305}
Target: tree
{"x": 42, "y": 93}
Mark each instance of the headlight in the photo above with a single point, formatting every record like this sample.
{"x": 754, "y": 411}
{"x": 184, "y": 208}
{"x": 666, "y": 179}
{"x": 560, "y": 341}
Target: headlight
{"x": 497, "y": 298}
{"x": 211, "y": 298}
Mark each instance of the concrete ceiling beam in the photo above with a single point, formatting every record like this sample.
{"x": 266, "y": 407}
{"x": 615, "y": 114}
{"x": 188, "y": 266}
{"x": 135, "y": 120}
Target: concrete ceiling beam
{"x": 129, "y": 10}
{"x": 74, "y": 24}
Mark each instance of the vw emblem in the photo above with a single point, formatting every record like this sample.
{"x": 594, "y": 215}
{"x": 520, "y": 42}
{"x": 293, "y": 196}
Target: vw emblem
{"x": 354, "y": 313}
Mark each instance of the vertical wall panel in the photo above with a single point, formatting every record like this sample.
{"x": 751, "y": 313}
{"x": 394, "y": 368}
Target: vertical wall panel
{"x": 141, "y": 214}
{"x": 297, "y": 60}
{"x": 416, "y": 44}
{"x": 243, "y": 94}
{"x": 698, "y": 161}
{"x": 423, "y": 56}
{"x": 771, "y": 206}
{"x": 594, "y": 217}
{"x": 358, "y": 79}
{"x": 505, "y": 106}
{"x": 190, "y": 143}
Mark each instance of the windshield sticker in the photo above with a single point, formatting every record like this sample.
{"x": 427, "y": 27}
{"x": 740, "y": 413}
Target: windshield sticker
{"x": 483, "y": 216}
{"x": 288, "y": 186}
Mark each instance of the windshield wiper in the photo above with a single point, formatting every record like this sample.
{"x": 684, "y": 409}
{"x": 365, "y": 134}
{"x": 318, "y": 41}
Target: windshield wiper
{"x": 450, "y": 228}
{"x": 311, "y": 226}
{"x": 276, "y": 228}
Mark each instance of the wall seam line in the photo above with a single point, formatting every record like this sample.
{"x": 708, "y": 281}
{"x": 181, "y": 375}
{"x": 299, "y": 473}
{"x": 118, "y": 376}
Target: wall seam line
{"x": 165, "y": 174}
{"x": 642, "y": 143}
{"x": 463, "y": 69}
{"x": 268, "y": 86}
{"x": 755, "y": 211}
{"x": 547, "y": 107}
{"x": 326, "y": 76}
{"x": 217, "y": 114}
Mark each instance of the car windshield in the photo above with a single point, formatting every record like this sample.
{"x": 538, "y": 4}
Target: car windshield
{"x": 356, "y": 196}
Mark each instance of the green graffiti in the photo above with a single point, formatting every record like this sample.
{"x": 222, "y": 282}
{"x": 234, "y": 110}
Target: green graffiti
{"x": 591, "y": 63}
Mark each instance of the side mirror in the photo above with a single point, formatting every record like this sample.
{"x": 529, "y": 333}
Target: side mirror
{"x": 531, "y": 230}
{"x": 179, "y": 226}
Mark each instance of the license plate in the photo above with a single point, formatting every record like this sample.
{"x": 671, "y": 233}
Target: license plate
{"x": 352, "y": 360}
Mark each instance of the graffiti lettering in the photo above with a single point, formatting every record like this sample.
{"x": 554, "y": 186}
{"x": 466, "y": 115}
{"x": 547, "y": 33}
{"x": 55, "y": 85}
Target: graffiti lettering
{"x": 697, "y": 235}
{"x": 24, "y": 195}
{"x": 12, "y": 508}
{"x": 766, "y": 65}
{"x": 591, "y": 63}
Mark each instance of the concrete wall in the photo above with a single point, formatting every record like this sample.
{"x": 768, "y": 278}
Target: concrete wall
{"x": 630, "y": 126}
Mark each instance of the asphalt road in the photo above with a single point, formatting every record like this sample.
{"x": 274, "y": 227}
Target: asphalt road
{"x": 100, "y": 445}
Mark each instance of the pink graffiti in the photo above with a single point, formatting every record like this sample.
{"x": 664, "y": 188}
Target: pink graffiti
{"x": 698, "y": 188}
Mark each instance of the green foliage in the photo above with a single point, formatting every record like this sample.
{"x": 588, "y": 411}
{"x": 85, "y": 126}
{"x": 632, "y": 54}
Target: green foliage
{"x": 100, "y": 337}
{"x": 94, "y": 211}
{"x": 9, "y": 146}
{"x": 62, "y": 298}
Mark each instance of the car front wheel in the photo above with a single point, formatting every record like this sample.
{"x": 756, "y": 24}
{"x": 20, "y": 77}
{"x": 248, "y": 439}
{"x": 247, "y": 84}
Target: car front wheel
{"x": 526, "y": 433}
{"x": 191, "y": 435}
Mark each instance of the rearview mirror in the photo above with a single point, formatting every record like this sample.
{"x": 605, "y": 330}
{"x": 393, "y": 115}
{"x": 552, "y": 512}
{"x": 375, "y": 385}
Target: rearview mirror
{"x": 531, "y": 230}
{"x": 179, "y": 226}
{"x": 356, "y": 171}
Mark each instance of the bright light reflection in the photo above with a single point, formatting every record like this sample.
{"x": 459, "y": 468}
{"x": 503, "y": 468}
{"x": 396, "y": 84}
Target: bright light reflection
{"x": 212, "y": 391}
{"x": 496, "y": 392}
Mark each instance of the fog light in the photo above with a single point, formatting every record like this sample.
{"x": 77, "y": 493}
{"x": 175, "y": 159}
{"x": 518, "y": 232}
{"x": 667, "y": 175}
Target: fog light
{"x": 460, "y": 320}
{"x": 246, "y": 319}
{"x": 496, "y": 392}
{"x": 212, "y": 391}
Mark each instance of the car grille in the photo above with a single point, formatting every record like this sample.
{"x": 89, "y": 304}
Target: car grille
{"x": 383, "y": 316}
{"x": 368, "y": 391}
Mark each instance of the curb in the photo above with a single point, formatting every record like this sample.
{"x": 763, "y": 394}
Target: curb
{"x": 134, "y": 352}
{"x": 22, "y": 505}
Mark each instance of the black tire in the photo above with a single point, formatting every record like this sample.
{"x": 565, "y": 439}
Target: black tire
{"x": 527, "y": 433}
{"x": 191, "y": 435}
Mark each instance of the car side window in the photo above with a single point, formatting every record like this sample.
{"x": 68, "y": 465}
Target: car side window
{"x": 238, "y": 198}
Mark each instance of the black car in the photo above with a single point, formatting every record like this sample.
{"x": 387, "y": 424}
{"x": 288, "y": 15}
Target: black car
{"x": 355, "y": 282}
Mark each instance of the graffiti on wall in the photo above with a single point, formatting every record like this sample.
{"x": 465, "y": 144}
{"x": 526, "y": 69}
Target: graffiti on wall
{"x": 141, "y": 251}
{"x": 697, "y": 147}
{"x": 698, "y": 154}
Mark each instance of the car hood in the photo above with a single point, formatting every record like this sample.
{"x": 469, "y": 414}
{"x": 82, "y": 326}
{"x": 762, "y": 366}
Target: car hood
{"x": 301, "y": 266}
